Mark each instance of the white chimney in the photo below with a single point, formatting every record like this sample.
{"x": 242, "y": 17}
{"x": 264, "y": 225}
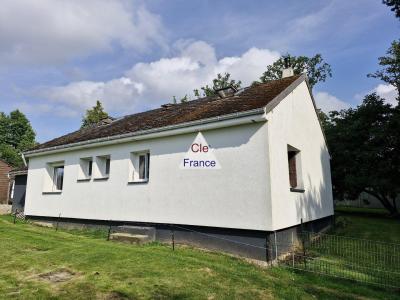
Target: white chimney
{"x": 288, "y": 70}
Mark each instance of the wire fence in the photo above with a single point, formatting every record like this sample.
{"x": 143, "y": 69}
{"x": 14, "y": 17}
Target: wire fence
{"x": 361, "y": 260}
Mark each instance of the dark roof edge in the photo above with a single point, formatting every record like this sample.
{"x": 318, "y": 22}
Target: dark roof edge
{"x": 282, "y": 95}
{"x": 18, "y": 172}
{"x": 270, "y": 106}
{"x": 316, "y": 112}
{"x": 153, "y": 130}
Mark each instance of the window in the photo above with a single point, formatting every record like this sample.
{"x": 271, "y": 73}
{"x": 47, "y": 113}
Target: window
{"x": 108, "y": 161}
{"x": 103, "y": 167}
{"x": 294, "y": 163}
{"x": 58, "y": 178}
{"x": 86, "y": 167}
{"x": 54, "y": 178}
{"x": 140, "y": 167}
{"x": 292, "y": 169}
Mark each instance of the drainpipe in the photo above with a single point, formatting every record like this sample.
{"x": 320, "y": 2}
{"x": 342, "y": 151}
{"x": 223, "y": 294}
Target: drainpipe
{"x": 23, "y": 159}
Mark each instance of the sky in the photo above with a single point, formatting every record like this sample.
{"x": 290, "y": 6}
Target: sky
{"x": 58, "y": 57}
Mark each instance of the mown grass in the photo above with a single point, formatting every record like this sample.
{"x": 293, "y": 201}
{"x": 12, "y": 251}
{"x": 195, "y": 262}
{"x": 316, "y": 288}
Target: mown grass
{"x": 366, "y": 223}
{"x": 107, "y": 270}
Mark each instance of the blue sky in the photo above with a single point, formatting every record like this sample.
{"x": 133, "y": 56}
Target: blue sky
{"x": 58, "y": 57}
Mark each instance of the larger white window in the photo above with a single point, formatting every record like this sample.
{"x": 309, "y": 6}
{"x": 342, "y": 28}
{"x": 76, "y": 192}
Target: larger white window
{"x": 58, "y": 178}
{"x": 54, "y": 181}
{"x": 140, "y": 167}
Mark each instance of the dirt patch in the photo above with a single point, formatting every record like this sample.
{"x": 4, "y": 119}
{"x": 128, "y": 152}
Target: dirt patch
{"x": 208, "y": 271}
{"x": 61, "y": 275}
{"x": 117, "y": 296}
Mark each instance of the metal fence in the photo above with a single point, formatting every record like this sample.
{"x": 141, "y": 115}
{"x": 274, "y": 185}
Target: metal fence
{"x": 360, "y": 260}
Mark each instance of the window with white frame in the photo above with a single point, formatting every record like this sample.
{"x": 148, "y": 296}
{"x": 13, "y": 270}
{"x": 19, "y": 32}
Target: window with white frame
{"x": 58, "y": 178}
{"x": 54, "y": 179}
{"x": 103, "y": 166}
{"x": 140, "y": 166}
{"x": 86, "y": 168}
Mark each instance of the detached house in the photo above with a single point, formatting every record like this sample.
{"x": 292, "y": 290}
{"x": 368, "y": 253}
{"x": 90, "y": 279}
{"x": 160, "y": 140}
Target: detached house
{"x": 265, "y": 168}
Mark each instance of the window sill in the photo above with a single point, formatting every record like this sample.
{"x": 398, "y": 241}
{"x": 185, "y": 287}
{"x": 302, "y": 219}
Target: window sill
{"x": 297, "y": 190}
{"x": 84, "y": 179}
{"x": 52, "y": 193}
{"x": 101, "y": 178}
{"x": 138, "y": 182}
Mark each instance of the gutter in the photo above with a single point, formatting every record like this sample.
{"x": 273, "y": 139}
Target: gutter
{"x": 250, "y": 116}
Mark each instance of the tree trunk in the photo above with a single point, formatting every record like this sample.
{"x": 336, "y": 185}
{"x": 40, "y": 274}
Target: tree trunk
{"x": 391, "y": 207}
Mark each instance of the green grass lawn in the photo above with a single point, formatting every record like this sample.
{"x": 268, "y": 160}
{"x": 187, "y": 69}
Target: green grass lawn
{"x": 366, "y": 223}
{"x": 106, "y": 270}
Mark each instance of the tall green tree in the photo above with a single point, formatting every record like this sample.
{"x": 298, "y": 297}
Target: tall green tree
{"x": 390, "y": 72}
{"x": 394, "y": 6}
{"x": 364, "y": 146}
{"x": 16, "y": 136}
{"x": 315, "y": 67}
{"x": 221, "y": 81}
{"x": 94, "y": 115}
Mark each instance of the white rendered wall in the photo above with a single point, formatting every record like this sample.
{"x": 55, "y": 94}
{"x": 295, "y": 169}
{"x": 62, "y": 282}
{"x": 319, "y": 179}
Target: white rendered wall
{"x": 236, "y": 196}
{"x": 294, "y": 122}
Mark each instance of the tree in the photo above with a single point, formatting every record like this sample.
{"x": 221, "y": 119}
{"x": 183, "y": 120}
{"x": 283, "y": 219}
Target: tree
{"x": 94, "y": 115}
{"x": 390, "y": 73}
{"x": 221, "y": 81}
{"x": 10, "y": 155}
{"x": 364, "y": 146}
{"x": 16, "y": 136}
{"x": 394, "y": 6}
{"x": 315, "y": 67}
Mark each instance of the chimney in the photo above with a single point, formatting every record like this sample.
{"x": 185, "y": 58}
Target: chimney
{"x": 226, "y": 91}
{"x": 288, "y": 70}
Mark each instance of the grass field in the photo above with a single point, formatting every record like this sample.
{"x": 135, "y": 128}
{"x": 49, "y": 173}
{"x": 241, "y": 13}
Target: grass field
{"x": 40, "y": 263}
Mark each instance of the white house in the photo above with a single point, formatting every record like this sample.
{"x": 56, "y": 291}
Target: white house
{"x": 271, "y": 166}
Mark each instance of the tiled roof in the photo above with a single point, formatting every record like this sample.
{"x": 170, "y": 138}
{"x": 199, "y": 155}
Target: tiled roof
{"x": 250, "y": 98}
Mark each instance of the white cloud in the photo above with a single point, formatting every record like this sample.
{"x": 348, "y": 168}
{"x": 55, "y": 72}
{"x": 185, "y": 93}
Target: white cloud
{"x": 150, "y": 84}
{"x": 48, "y": 31}
{"x": 326, "y": 102}
{"x": 387, "y": 92}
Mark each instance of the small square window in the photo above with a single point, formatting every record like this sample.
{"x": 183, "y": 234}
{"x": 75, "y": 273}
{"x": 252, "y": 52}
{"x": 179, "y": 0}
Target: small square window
{"x": 140, "y": 167}
{"x": 108, "y": 161}
{"x": 103, "y": 167}
{"x": 86, "y": 168}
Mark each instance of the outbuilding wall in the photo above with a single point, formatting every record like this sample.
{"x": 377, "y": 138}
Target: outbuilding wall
{"x": 4, "y": 181}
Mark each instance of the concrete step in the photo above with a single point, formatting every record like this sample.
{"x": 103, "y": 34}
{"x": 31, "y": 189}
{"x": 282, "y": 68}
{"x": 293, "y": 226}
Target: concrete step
{"x": 43, "y": 224}
{"x": 140, "y": 230}
{"x": 130, "y": 238}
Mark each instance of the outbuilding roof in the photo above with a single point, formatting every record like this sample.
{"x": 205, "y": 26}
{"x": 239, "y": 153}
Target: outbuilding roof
{"x": 250, "y": 98}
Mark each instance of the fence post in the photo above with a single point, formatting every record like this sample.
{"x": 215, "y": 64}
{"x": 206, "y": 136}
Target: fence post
{"x": 109, "y": 231}
{"x": 173, "y": 239}
{"x": 15, "y": 215}
{"x": 293, "y": 248}
{"x": 303, "y": 244}
{"x": 58, "y": 221}
{"x": 276, "y": 248}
